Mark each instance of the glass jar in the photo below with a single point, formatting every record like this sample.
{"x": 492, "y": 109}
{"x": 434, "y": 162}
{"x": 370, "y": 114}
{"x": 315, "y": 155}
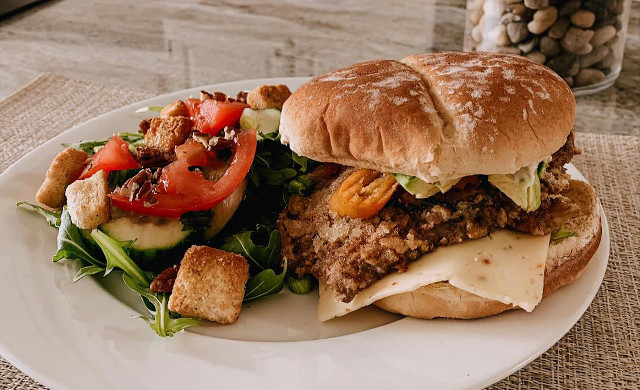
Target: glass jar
{"x": 581, "y": 40}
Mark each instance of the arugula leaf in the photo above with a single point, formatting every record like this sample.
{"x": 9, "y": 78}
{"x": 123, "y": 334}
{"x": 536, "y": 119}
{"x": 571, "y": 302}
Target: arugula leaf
{"x": 301, "y": 286}
{"x": 276, "y": 173}
{"x": 196, "y": 221}
{"x": 114, "y": 252}
{"x": 70, "y": 244}
{"x": 160, "y": 319}
{"x": 561, "y": 233}
{"x": 88, "y": 270}
{"x": 91, "y": 146}
{"x": 265, "y": 283}
{"x": 259, "y": 256}
{"x": 52, "y": 217}
{"x": 300, "y": 160}
{"x": 301, "y": 185}
{"x": 118, "y": 178}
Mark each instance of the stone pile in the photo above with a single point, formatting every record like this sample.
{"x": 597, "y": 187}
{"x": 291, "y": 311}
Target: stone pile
{"x": 581, "y": 40}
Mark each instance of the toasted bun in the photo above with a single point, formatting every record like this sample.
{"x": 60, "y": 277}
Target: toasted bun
{"x": 566, "y": 259}
{"x": 436, "y": 116}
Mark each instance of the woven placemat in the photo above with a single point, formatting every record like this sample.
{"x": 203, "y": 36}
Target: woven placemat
{"x": 600, "y": 352}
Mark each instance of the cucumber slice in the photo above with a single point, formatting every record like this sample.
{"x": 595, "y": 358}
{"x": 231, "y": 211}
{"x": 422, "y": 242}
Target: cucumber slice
{"x": 223, "y": 211}
{"x": 156, "y": 241}
{"x": 263, "y": 121}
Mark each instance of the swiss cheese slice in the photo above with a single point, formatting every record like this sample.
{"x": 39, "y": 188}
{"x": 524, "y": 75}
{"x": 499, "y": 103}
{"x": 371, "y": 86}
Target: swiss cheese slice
{"x": 505, "y": 266}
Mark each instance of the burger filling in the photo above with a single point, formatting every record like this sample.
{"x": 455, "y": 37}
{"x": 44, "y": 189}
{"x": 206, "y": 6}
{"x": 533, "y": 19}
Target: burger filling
{"x": 360, "y": 225}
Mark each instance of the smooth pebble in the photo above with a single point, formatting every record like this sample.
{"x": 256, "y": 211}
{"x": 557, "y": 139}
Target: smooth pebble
{"x": 536, "y": 4}
{"x": 543, "y": 19}
{"x": 588, "y": 76}
{"x": 598, "y": 54}
{"x": 537, "y": 57}
{"x": 582, "y": 18}
{"x": 602, "y": 35}
{"x": 559, "y": 28}
{"x": 549, "y": 47}
{"x": 569, "y": 7}
{"x": 565, "y": 65}
{"x": 576, "y": 41}
{"x": 517, "y": 32}
{"x": 529, "y": 45}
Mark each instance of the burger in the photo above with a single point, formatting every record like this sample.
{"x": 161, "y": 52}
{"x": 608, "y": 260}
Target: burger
{"x": 443, "y": 190}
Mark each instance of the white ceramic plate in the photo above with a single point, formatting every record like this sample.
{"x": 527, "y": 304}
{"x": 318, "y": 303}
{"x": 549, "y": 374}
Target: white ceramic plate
{"x": 82, "y": 336}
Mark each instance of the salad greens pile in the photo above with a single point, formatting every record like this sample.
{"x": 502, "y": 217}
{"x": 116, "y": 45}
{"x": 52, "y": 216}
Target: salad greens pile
{"x": 276, "y": 174}
{"x": 98, "y": 253}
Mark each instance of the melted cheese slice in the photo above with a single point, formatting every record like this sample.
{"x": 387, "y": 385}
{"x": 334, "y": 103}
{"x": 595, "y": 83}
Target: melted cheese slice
{"x": 505, "y": 266}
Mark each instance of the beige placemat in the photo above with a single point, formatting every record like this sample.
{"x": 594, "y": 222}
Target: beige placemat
{"x": 600, "y": 352}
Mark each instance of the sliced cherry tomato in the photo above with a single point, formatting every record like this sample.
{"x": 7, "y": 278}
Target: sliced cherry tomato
{"x": 211, "y": 116}
{"x": 363, "y": 193}
{"x": 114, "y": 156}
{"x": 180, "y": 190}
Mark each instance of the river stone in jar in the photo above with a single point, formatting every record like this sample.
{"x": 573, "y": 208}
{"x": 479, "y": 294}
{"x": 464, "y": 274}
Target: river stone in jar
{"x": 581, "y": 40}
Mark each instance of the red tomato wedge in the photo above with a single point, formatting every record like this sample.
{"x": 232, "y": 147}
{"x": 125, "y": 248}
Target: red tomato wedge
{"x": 195, "y": 154}
{"x": 180, "y": 190}
{"x": 211, "y": 116}
{"x": 114, "y": 156}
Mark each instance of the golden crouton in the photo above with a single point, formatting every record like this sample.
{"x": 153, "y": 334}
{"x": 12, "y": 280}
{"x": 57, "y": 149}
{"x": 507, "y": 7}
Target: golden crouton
{"x": 177, "y": 108}
{"x": 210, "y": 284}
{"x": 64, "y": 169}
{"x": 87, "y": 201}
{"x": 165, "y": 134}
{"x": 268, "y": 96}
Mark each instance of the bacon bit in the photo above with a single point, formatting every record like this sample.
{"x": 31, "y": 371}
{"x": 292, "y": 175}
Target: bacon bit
{"x": 204, "y": 95}
{"x": 410, "y": 199}
{"x": 242, "y": 96}
{"x": 165, "y": 280}
{"x": 135, "y": 188}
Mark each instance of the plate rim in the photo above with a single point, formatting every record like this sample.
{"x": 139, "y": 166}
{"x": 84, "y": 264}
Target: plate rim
{"x": 49, "y": 381}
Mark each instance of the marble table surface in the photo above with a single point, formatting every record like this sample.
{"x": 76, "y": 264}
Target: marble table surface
{"x": 161, "y": 45}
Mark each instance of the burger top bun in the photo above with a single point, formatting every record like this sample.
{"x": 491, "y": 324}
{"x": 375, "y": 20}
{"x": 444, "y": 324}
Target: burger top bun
{"x": 436, "y": 116}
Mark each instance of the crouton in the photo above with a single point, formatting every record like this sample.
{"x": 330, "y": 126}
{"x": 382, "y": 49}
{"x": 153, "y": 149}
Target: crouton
{"x": 87, "y": 201}
{"x": 210, "y": 285}
{"x": 177, "y": 108}
{"x": 165, "y": 134}
{"x": 64, "y": 169}
{"x": 268, "y": 96}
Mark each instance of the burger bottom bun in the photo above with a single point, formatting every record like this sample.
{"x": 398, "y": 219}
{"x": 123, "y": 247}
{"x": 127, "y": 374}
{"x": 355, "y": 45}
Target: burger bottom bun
{"x": 566, "y": 260}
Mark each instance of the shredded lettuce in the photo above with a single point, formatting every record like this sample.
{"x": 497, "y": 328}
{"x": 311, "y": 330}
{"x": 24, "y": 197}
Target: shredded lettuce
{"x": 561, "y": 233}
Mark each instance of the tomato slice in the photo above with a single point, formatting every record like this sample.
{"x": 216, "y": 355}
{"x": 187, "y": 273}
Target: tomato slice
{"x": 210, "y": 116}
{"x": 114, "y": 156}
{"x": 180, "y": 190}
{"x": 195, "y": 154}
{"x": 363, "y": 193}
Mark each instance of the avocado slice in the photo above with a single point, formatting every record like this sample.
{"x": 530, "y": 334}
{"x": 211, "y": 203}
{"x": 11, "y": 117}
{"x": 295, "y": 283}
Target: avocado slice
{"x": 421, "y": 189}
{"x": 522, "y": 187}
